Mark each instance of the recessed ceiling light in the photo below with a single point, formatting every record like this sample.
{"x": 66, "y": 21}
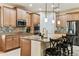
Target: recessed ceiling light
{"x": 40, "y": 9}
{"x": 30, "y": 5}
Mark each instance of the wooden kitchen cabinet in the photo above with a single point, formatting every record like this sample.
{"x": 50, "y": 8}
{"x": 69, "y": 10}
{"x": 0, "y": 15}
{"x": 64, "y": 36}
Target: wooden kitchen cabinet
{"x": 31, "y": 47}
{"x": 13, "y": 17}
{"x": 16, "y": 41}
{"x": 25, "y": 47}
{"x": 21, "y": 14}
{"x": 8, "y": 43}
{"x": 28, "y": 20}
{"x": 9, "y": 17}
{"x": 73, "y": 16}
{"x": 6, "y": 16}
{"x": 35, "y": 19}
{"x": 0, "y": 43}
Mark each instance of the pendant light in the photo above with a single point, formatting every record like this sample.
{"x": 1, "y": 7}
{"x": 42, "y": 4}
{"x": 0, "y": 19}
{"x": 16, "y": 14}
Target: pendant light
{"x": 53, "y": 20}
{"x": 58, "y": 21}
{"x": 46, "y": 19}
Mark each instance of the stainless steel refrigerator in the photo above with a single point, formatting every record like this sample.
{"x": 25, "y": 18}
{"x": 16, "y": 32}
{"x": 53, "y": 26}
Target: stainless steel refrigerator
{"x": 73, "y": 29}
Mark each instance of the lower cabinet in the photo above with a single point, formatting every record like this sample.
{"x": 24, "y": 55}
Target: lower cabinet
{"x": 16, "y": 42}
{"x": 30, "y": 47}
{"x": 25, "y": 46}
{"x": 10, "y": 42}
{"x": 0, "y": 44}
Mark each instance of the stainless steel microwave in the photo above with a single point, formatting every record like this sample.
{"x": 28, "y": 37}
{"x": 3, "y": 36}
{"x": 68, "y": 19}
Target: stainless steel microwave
{"x": 20, "y": 23}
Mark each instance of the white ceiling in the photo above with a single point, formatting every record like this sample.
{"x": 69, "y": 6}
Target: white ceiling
{"x": 35, "y": 6}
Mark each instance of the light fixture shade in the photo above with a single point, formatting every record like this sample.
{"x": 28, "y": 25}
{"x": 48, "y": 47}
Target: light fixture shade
{"x": 53, "y": 21}
{"x": 58, "y": 9}
{"x": 58, "y": 22}
{"x": 46, "y": 20}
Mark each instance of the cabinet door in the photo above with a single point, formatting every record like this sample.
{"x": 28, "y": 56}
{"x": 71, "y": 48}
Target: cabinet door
{"x": 6, "y": 16}
{"x": 69, "y": 17}
{"x": 19, "y": 14}
{"x": 28, "y": 20}
{"x": 23, "y": 12}
{"x": 16, "y": 42}
{"x": 35, "y": 19}
{"x": 73, "y": 16}
{"x": 13, "y": 17}
{"x": 9, "y": 43}
{"x": 0, "y": 43}
{"x": 25, "y": 46}
{"x": 76, "y": 16}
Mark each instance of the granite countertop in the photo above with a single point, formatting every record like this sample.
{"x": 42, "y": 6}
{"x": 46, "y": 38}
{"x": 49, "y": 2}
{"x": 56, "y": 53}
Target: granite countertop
{"x": 38, "y": 38}
{"x": 15, "y": 33}
{"x": 7, "y": 34}
{"x": 35, "y": 38}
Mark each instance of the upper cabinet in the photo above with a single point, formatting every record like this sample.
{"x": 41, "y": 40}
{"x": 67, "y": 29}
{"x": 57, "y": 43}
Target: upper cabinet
{"x": 10, "y": 14}
{"x": 28, "y": 20}
{"x": 13, "y": 17}
{"x": 6, "y": 15}
{"x": 67, "y": 17}
{"x": 35, "y": 19}
{"x": 21, "y": 14}
{"x": 73, "y": 16}
{"x": 9, "y": 17}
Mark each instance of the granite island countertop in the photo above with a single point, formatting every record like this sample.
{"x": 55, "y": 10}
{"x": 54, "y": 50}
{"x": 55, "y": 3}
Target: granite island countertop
{"x": 35, "y": 38}
{"x": 38, "y": 38}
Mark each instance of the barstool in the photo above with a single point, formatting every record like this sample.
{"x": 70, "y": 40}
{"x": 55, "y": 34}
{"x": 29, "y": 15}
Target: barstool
{"x": 53, "y": 49}
{"x": 64, "y": 46}
{"x": 70, "y": 42}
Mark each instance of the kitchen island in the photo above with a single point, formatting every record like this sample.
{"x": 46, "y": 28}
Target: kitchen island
{"x": 33, "y": 45}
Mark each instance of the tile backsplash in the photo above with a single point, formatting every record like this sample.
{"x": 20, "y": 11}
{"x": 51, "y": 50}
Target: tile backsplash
{"x": 8, "y": 29}
{"x": 23, "y": 29}
{"x": 61, "y": 30}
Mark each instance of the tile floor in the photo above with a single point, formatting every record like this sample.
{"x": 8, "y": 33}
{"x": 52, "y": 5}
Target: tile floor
{"x": 75, "y": 50}
{"x": 16, "y": 52}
